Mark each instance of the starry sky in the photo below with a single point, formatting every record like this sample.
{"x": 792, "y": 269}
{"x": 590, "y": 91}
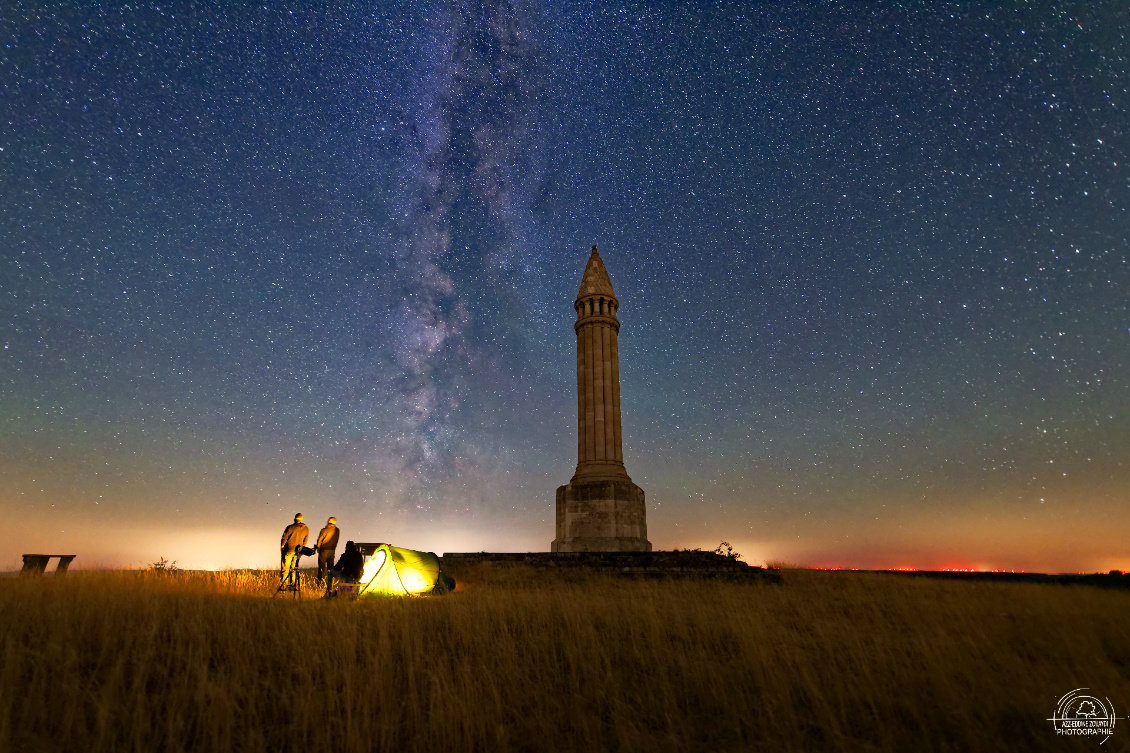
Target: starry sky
{"x": 872, "y": 261}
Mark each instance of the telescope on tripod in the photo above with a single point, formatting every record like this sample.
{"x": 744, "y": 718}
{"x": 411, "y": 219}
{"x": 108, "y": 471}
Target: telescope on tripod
{"x": 291, "y": 582}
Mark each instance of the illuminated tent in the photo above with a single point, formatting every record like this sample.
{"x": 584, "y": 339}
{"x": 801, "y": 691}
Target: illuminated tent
{"x": 392, "y": 571}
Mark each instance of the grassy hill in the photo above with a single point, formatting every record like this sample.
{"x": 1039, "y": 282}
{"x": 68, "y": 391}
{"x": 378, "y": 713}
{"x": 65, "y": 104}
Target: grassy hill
{"x": 516, "y": 660}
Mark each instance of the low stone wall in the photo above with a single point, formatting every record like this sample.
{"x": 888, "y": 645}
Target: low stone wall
{"x": 670, "y": 564}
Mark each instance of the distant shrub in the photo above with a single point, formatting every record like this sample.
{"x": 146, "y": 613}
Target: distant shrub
{"x": 785, "y": 565}
{"x": 727, "y": 551}
{"x": 164, "y": 567}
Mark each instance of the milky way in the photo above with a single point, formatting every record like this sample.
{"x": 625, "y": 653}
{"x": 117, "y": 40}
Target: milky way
{"x": 872, "y": 263}
{"x": 464, "y": 130}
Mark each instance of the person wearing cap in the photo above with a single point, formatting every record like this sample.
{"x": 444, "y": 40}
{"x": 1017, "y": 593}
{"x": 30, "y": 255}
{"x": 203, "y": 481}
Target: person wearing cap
{"x": 294, "y": 536}
{"x": 327, "y": 548}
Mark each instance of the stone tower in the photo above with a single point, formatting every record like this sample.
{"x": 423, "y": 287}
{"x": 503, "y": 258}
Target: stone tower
{"x": 600, "y": 509}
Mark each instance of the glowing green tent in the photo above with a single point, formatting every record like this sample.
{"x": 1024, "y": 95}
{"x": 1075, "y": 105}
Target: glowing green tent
{"x": 392, "y": 571}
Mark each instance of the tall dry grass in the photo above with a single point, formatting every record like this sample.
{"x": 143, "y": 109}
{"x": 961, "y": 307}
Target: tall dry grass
{"x": 516, "y": 661}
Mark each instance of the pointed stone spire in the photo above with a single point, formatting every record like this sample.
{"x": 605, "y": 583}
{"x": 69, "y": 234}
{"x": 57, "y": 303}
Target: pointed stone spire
{"x": 595, "y": 280}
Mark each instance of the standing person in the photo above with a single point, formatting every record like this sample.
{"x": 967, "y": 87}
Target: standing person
{"x": 327, "y": 547}
{"x": 294, "y": 536}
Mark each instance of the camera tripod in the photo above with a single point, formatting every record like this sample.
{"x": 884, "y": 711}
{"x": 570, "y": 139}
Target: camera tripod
{"x": 292, "y": 583}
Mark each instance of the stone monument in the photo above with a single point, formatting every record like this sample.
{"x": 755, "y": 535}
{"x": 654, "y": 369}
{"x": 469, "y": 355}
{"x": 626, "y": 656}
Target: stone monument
{"x": 600, "y": 509}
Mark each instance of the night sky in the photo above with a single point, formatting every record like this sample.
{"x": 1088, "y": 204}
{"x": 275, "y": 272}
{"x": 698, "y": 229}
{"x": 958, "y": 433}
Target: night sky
{"x": 872, "y": 260}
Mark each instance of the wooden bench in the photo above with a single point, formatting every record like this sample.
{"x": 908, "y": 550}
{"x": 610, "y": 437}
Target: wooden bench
{"x": 36, "y": 564}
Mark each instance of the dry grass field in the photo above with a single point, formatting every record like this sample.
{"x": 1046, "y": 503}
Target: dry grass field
{"x": 516, "y": 661}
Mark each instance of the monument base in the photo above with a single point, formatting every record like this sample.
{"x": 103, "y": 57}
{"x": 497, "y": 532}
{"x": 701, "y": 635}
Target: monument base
{"x": 601, "y": 516}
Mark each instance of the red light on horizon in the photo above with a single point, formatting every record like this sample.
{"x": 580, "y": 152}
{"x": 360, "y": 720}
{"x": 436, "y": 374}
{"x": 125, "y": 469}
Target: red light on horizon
{"x": 913, "y": 569}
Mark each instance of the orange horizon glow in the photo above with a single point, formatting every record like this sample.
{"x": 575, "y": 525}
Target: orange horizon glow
{"x": 209, "y": 534}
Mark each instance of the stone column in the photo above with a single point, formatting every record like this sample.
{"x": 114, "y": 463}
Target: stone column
{"x": 600, "y": 509}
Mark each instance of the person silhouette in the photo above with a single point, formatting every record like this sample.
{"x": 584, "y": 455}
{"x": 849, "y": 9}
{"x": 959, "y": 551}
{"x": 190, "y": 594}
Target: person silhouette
{"x": 294, "y": 536}
{"x": 327, "y": 548}
{"x": 350, "y": 567}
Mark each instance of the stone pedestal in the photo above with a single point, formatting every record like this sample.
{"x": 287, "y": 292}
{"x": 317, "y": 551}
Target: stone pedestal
{"x": 601, "y": 516}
